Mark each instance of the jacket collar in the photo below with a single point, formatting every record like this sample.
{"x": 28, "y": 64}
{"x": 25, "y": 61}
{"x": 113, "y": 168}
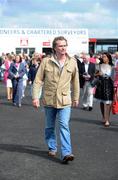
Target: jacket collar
{"x": 54, "y": 59}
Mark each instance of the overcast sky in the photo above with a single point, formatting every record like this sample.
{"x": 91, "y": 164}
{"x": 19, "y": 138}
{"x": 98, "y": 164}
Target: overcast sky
{"x": 100, "y": 17}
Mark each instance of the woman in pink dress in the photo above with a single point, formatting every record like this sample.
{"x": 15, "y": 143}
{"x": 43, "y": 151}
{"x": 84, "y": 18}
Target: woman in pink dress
{"x": 115, "y": 101}
{"x": 116, "y": 75}
{"x": 7, "y": 81}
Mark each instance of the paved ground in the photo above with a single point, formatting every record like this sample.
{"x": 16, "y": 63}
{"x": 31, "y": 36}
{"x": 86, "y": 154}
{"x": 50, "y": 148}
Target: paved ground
{"x": 23, "y": 153}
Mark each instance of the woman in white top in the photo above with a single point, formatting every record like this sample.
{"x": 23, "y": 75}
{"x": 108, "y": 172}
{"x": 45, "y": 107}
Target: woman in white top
{"x": 104, "y": 90}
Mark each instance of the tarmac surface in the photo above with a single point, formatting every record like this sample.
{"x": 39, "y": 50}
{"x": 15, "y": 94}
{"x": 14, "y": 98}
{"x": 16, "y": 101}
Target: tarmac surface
{"x": 23, "y": 153}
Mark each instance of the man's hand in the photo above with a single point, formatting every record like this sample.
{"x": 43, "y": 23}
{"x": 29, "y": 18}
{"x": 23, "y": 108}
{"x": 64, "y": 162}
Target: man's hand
{"x": 30, "y": 82}
{"x": 36, "y": 103}
{"x": 87, "y": 77}
{"x": 75, "y": 103}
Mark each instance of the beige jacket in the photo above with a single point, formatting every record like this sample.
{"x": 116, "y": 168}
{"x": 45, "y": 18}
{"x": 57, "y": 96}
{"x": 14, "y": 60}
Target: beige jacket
{"x": 57, "y": 84}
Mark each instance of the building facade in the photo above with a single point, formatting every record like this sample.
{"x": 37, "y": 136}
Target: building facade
{"x": 24, "y": 40}
{"x": 101, "y": 45}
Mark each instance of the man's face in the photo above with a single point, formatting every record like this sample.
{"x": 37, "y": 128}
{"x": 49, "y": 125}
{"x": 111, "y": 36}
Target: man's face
{"x": 85, "y": 59}
{"x": 61, "y": 47}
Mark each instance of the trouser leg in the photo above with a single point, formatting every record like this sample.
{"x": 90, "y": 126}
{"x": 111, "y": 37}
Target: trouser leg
{"x": 84, "y": 97}
{"x": 50, "y": 134}
{"x": 90, "y": 96}
{"x": 14, "y": 84}
{"x": 64, "y": 118}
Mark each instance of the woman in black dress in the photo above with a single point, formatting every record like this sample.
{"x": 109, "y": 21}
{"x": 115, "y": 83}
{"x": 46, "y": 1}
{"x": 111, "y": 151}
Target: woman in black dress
{"x": 104, "y": 89}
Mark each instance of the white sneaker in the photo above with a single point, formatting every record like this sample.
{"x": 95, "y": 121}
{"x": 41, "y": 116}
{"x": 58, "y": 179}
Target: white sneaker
{"x": 19, "y": 105}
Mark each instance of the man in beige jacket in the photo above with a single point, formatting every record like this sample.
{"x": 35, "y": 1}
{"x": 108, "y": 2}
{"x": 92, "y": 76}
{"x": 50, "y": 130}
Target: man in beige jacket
{"x": 59, "y": 76}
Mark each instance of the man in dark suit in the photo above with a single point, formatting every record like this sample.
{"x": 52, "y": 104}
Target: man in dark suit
{"x": 79, "y": 60}
{"x": 87, "y": 71}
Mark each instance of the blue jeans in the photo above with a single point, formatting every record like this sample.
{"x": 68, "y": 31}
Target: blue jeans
{"x": 17, "y": 90}
{"x": 50, "y": 132}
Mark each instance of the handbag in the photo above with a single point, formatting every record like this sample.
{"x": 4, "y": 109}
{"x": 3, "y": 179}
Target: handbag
{"x": 115, "y": 101}
{"x": 95, "y": 81}
{"x": 115, "y": 107}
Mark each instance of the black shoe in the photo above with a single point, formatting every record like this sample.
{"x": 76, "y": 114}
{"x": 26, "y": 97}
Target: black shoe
{"x": 68, "y": 158}
{"x": 85, "y": 108}
{"x": 90, "y": 108}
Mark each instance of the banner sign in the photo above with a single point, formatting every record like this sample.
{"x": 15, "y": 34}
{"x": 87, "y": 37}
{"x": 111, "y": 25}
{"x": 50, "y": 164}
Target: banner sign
{"x": 34, "y": 32}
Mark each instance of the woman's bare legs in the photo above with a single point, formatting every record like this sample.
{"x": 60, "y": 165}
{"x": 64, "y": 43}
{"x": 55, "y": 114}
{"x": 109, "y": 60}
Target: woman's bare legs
{"x": 9, "y": 93}
{"x": 102, "y": 111}
{"x": 107, "y": 110}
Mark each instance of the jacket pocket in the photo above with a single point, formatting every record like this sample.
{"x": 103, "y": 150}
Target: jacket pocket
{"x": 69, "y": 70}
{"x": 66, "y": 99}
{"x": 49, "y": 74}
{"x": 48, "y": 99}
{"x": 68, "y": 73}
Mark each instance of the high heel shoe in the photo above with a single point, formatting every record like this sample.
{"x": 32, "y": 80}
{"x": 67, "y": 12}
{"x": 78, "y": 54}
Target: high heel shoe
{"x": 106, "y": 124}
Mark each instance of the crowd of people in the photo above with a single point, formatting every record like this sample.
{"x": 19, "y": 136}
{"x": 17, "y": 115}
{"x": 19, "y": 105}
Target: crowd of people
{"x": 99, "y": 81}
{"x": 58, "y": 80}
{"x": 17, "y": 71}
